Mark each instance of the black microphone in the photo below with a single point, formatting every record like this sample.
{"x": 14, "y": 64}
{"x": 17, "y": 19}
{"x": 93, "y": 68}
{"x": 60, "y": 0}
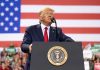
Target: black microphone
{"x": 53, "y": 20}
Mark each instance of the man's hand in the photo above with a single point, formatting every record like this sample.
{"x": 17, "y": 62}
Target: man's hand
{"x": 30, "y": 48}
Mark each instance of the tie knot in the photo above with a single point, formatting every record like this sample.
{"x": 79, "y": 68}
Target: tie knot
{"x": 46, "y": 28}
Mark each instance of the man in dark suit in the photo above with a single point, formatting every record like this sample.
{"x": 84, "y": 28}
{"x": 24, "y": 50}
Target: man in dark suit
{"x": 42, "y": 32}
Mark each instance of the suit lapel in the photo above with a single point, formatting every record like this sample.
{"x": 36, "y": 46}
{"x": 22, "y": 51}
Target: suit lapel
{"x": 52, "y": 34}
{"x": 39, "y": 32}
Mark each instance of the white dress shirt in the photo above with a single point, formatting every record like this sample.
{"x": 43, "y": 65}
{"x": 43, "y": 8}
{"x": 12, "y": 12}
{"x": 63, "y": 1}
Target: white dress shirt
{"x": 43, "y": 29}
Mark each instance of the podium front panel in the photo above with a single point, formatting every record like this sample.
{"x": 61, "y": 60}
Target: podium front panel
{"x": 39, "y": 56}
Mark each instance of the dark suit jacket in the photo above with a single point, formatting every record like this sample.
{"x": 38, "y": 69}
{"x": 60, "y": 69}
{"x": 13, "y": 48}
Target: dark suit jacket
{"x": 34, "y": 34}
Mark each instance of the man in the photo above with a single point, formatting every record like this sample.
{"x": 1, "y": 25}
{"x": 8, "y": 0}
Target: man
{"x": 43, "y": 32}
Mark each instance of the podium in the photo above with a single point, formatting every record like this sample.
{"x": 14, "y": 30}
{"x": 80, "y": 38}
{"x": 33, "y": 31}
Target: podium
{"x": 43, "y": 52}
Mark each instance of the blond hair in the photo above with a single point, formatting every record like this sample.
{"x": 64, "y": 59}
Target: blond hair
{"x": 45, "y": 9}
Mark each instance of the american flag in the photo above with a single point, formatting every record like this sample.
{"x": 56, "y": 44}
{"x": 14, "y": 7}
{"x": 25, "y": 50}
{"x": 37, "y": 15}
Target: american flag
{"x": 79, "y": 19}
{"x": 9, "y": 16}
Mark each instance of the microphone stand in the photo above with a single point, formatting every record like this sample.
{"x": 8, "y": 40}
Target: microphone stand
{"x": 54, "y": 21}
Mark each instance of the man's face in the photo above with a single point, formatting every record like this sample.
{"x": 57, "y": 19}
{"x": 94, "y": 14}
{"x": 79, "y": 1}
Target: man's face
{"x": 46, "y": 17}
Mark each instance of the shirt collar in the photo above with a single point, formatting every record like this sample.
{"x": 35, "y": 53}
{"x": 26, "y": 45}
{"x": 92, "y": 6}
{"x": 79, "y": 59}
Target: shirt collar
{"x": 43, "y": 26}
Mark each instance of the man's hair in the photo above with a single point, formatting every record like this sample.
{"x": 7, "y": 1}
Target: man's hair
{"x": 45, "y": 9}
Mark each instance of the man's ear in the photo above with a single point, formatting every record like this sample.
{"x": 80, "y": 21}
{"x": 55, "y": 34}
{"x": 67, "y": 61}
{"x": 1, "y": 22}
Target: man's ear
{"x": 41, "y": 18}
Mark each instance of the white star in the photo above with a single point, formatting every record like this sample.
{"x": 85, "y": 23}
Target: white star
{"x": 2, "y": 4}
{"x": 6, "y": 18}
{"x": 16, "y": 8}
{"x": 16, "y": 0}
{"x": 11, "y": 13}
{"x": 2, "y": 23}
{"x": 11, "y": 4}
{"x": 16, "y": 19}
{"x": 6, "y": 0}
{"x": 15, "y": 28}
{"x": 6, "y": 9}
{"x": 6, "y": 28}
{"x": 11, "y": 23}
{"x": 2, "y": 13}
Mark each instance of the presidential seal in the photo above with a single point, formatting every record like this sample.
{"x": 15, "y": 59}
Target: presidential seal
{"x": 57, "y": 55}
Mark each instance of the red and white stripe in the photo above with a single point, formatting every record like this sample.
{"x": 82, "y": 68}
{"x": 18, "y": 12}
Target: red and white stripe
{"x": 79, "y": 19}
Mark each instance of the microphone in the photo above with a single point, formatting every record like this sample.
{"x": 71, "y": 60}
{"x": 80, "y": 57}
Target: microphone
{"x": 53, "y": 20}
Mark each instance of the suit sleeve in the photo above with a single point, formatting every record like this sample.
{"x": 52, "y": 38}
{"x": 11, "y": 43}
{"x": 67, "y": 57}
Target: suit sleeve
{"x": 63, "y": 37}
{"x": 27, "y": 40}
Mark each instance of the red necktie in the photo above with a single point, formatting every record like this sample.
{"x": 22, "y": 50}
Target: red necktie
{"x": 45, "y": 35}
